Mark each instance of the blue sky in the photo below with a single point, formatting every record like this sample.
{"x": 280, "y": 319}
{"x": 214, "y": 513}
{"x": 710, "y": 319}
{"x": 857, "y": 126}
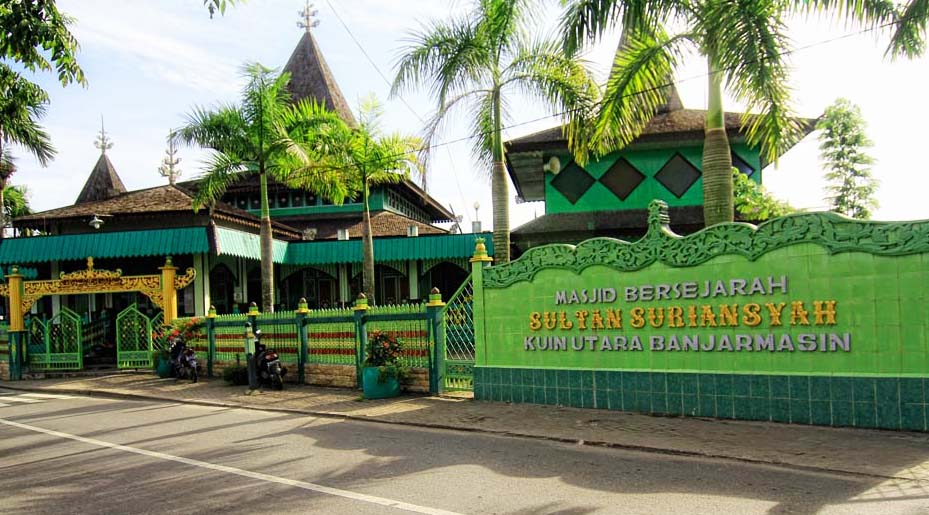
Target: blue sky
{"x": 149, "y": 62}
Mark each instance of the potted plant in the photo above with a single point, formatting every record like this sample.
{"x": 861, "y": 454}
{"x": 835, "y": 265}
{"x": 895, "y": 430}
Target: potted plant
{"x": 382, "y": 368}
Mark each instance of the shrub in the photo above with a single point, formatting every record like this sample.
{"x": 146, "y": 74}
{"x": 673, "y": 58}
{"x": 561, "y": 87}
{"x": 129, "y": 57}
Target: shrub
{"x": 236, "y": 375}
{"x": 383, "y": 351}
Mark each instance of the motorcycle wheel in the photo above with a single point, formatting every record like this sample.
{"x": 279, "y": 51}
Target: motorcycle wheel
{"x": 276, "y": 382}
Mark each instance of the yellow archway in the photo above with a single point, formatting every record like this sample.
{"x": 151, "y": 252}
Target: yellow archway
{"x": 160, "y": 288}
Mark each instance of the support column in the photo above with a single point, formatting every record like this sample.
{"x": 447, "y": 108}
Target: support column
{"x": 413, "y": 275}
{"x": 168, "y": 273}
{"x": 17, "y": 328}
{"x": 345, "y": 291}
{"x": 201, "y": 300}
{"x": 435, "y": 312}
{"x": 478, "y": 262}
{"x": 243, "y": 277}
{"x": 56, "y": 299}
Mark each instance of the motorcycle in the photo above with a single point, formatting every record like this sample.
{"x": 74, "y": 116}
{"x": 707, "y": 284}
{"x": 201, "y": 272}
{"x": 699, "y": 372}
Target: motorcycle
{"x": 184, "y": 361}
{"x": 268, "y": 365}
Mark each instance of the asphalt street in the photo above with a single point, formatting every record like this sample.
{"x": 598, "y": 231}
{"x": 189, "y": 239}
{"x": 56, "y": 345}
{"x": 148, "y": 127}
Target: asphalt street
{"x": 79, "y": 454}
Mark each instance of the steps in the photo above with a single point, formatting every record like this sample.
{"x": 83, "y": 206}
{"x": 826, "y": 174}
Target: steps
{"x": 89, "y": 371}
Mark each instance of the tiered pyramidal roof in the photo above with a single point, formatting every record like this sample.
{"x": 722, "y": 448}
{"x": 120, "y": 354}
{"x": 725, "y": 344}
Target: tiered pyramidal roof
{"x": 310, "y": 78}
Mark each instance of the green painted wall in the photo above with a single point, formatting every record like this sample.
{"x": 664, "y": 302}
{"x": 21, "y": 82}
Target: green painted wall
{"x": 648, "y": 162}
{"x": 880, "y": 302}
{"x": 871, "y": 370}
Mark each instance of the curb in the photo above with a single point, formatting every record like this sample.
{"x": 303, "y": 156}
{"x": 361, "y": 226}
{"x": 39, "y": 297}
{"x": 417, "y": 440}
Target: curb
{"x": 466, "y": 429}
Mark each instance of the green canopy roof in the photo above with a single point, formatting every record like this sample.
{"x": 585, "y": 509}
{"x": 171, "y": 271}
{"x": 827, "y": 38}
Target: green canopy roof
{"x": 158, "y": 242}
{"x": 231, "y": 242}
{"x": 444, "y": 246}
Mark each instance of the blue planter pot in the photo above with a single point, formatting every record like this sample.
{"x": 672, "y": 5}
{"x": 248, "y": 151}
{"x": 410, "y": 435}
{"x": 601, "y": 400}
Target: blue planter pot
{"x": 163, "y": 368}
{"x": 376, "y": 390}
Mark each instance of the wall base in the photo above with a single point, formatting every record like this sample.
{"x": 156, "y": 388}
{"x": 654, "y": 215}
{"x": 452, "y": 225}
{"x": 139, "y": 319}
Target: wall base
{"x": 885, "y": 403}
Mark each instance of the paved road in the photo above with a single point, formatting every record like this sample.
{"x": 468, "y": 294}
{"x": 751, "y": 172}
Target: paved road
{"x": 88, "y": 455}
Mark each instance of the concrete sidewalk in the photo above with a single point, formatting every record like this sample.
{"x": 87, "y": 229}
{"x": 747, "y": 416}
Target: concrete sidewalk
{"x": 884, "y": 454}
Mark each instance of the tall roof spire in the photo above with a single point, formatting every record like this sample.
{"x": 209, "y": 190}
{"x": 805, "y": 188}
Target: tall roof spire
{"x": 169, "y": 164}
{"x": 309, "y": 74}
{"x": 103, "y": 141}
{"x": 307, "y": 22}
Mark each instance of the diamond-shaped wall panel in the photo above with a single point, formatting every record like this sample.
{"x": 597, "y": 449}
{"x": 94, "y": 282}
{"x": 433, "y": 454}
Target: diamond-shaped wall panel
{"x": 743, "y": 167}
{"x": 573, "y": 182}
{"x": 678, "y": 175}
{"x": 622, "y": 178}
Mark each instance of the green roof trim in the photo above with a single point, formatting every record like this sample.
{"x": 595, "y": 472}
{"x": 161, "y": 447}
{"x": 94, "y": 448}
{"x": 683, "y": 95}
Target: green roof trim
{"x": 445, "y": 246}
{"x": 230, "y": 242}
{"x": 158, "y": 242}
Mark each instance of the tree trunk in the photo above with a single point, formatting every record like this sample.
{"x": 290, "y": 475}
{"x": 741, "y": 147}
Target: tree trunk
{"x": 717, "y": 159}
{"x": 2, "y": 207}
{"x": 267, "y": 263}
{"x": 367, "y": 250}
{"x": 500, "y": 191}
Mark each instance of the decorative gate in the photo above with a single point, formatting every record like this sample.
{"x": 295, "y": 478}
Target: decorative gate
{"x": 459, "y": 339}
{"x": 56, "y": 344}
{"x": 133, "y": 339}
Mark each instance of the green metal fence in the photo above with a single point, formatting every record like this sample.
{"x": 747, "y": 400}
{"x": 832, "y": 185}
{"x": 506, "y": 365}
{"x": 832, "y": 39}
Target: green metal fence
{"x": 4, "y": 342}
{"x": 229, "y": 337}
{"x": 408, "y": 323}
{"x": 331, "y": 337}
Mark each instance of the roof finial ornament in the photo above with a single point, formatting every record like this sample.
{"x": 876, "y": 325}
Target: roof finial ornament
{"x": 307, "y": 14}
{"x": 103, "y": 142}
{"x": 169, "y": 164}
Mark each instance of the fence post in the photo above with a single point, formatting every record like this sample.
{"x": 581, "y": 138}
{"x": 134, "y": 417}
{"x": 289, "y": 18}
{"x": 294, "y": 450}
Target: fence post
{"x": 251, "y": 327}
{"x": 252, "y": 315}
{"x": 303, "y": 356}
{"x": 361, "y": 335}
{"x": 211, "y": 340}
{"x": 435, "y": 313}
{"x": 478, "y": 262}
{"x": 16, "y": 355}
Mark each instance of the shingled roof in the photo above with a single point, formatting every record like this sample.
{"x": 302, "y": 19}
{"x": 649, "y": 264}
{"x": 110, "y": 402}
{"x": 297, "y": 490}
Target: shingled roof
{"x": 161, "y": 199}
{"x": 103, "y": 182}
{"x": 310, "y": 78}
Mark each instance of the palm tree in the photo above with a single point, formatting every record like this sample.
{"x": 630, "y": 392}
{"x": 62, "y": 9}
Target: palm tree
{"x": 743, "y": 43}
{"x": 261, "y": 136}
{"x": 22, "y": 104}
{"x": 369, "y": 158}
{"x": 478, "y": 60}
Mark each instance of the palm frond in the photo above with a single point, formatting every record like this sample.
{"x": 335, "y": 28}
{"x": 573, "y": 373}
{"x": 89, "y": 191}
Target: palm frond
{"x": 562, "y": 83}
{"x": 222, "y": 170}
{"x": 483, "y": 131}
{"x": 448, "y": 57}
{"x": 501, "y": 24}
{"x": 870, "y": 13}
{"x": 22, "y": 105}
{"x": 909, "y": 40}
{"x": 585, "y": 21}
{"x": 638, "y": 84}
{"x": 748, "y": 41}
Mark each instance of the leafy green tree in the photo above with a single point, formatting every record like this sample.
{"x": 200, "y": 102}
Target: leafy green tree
{"x": 753, "y": 201}
{"x": 843, "y": 146}
{"x": 477, "y": 61}
{"x": 743, "y": 44}
{"x": 370, "y": 158}
{"x": 34, "y": 34}
{"x": 263, "y": 136}
{"x": 22, "y": 104}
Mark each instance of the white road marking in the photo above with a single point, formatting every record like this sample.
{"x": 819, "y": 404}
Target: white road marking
{"x": 44, "y": 396}
{"x": 382, "y": 501}
{"x": 2, "y": 405}
{"x": 23, "y": 400}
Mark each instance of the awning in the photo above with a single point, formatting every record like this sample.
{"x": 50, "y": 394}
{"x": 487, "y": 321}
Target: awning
{"x": 158, "y": 242}
{"x": 445, "y": 246}
{"x": 230, "y": 242}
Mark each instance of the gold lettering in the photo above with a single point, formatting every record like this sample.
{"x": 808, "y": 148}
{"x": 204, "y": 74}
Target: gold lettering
{"x": 691, "y": 316}
{"x": 675, "y": 318}
{"x": 824, "y": 311}
{"x": 638, "y": 318}
{"x": 565, "y": 323}
{"x": 535, "y": 321}
{"x": 551, "y": 319}
{"x": 582, "y": 318}
{"x": 728, "y": 315}
{"x": 614, "y": 319}
{"x": 707, "y": 317}
{"x": 798, "y": 315}
{"x": 775, "y": 311}
{"x": 751, "y": 314}
{"x": 656, "y": 317}
{"x": 596, "y": 321}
